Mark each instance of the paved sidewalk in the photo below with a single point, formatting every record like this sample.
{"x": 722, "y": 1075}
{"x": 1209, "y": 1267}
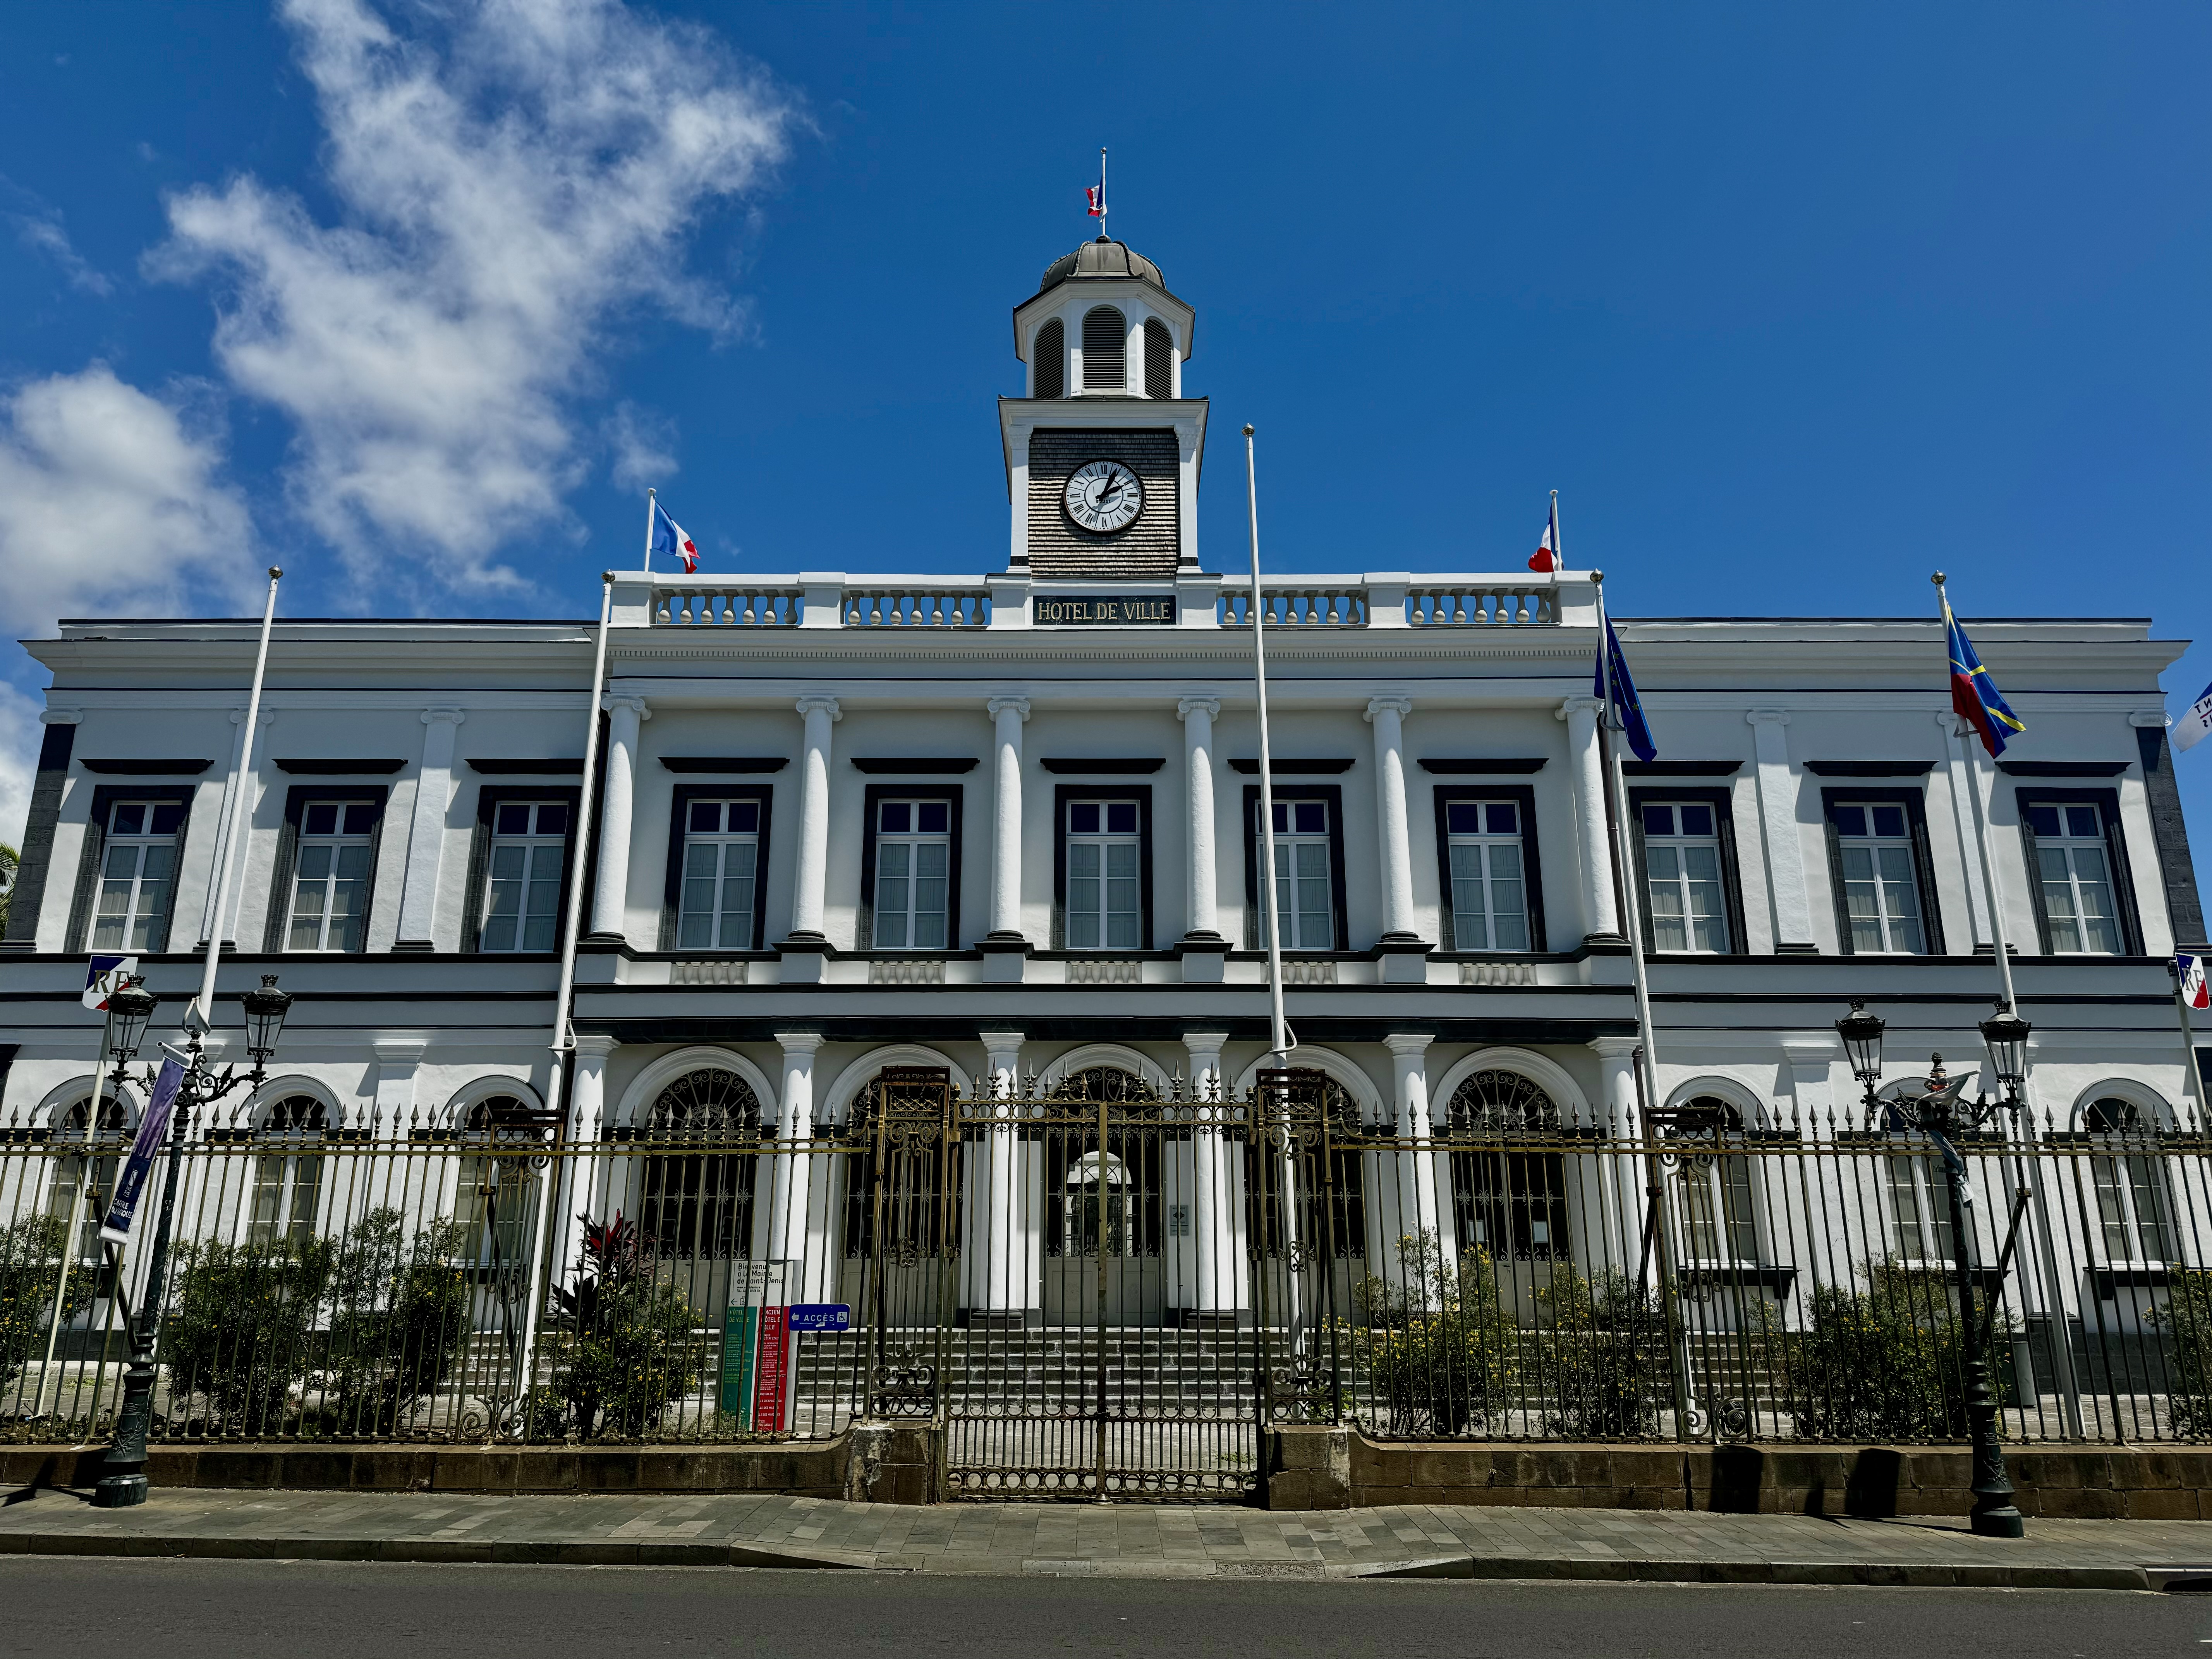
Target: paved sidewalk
{"x": 1137, "y": 1541}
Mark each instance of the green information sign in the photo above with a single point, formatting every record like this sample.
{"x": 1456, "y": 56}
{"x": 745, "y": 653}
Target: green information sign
{"x": 740, "y": 1339}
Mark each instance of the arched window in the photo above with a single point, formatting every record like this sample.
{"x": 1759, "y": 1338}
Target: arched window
{"x": 1159, "y": 359}
{"x": 1111, "y": 1201}
{"x": 88, "y": 1170}
{"x": 287, "y": 1180}
{"x": 1511, "y": 1200}
{"x": 1049, "y": 360}
{"x": 492, "y": 1195}
{"x": 699, "y": 1203}
{"x": 1343, "y": 1197}
{"x": 2134, "y": 1209}
{"x": 1714, "y": 1184}
{"x": 1105, "y": 350}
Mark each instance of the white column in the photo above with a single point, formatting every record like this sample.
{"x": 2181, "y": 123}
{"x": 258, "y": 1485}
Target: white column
{"x": 611, "y": 900}
{"x": 808, "y": 1278}
{"x": 1197, "y": 715}
{"x": 1617, "y": 1120}
{"x": 810, "y": 883}
{"x": 1003, "y": 1242}
{"x": 1777, "y": 812}
{"x": 1962, "y": 769}
{"x": 1418, "y": 1210}
{"x": 1592, "y": 835}
{"x": 426, "y": 831}
{"x": 1221, "y": 1287}
{"x": 234, "y": 782}
{"x": 586, "y": 1176}
{"x": 1008, "y": 713}
{"x": 1387, "y": 715}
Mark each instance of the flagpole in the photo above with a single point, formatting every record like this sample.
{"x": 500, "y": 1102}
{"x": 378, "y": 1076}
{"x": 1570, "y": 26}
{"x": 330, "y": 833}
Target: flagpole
{"x": 1277, "y": 1027}
{"x": 1558, "y": 549}
{"x": 203, "y": 1006}
{"x": 2061, "y": 1351}
{"x": 1104, "y": 228}
{"x": 649, "y": 494}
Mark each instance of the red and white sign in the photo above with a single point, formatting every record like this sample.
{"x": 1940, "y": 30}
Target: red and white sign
{"x": 2194, "y": 990}
{"x": 772, "y": 1373}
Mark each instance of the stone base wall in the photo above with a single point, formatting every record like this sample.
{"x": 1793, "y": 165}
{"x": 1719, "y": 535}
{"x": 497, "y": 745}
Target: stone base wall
{"x": 887, "y": 1465}
{"x": 1322, "y": 1468}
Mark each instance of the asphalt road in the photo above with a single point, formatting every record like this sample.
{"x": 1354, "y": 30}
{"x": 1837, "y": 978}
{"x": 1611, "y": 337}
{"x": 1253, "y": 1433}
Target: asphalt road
{"x": 57, "y": 1608}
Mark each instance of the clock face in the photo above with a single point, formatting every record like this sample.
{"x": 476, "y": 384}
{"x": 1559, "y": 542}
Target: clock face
{"x": 1104, "y": 497}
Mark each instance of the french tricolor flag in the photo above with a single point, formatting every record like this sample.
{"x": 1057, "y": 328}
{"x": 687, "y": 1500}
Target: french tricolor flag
{"x": 1546, "y": 558}
{"x": 668, "y": 537}
{"x": 1096, "y": 196}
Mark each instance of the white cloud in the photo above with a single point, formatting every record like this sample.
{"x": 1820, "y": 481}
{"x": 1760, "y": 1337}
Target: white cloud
{"x": 44, "y": 232}
{"x": 644, "y": 443}
{"x": 113, "y": 501}
{"x": 508, "y": 195}
{"x": 18, "y": 748}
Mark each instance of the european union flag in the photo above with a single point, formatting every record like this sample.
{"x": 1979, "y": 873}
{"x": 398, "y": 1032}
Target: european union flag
{"x": 1627, "y": 708}
{"x": 1974, "y": 695}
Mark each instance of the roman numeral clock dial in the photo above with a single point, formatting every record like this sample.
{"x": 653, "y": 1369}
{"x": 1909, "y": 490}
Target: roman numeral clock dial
{"x": 1104, "y": 497}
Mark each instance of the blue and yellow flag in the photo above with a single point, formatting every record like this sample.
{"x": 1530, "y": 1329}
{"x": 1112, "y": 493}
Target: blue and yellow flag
{"x": 1974, "y": 694}
{"x": 1627, "y": 708}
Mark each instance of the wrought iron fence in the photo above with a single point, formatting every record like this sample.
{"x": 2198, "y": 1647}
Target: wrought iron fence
{"x": 1103, "y": 1287}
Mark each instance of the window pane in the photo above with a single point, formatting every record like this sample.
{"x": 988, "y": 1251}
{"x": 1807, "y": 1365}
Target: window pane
{"x": 1658, "y": 820}
{"x": 1502, "y": 818}
{"x": 929, "y": 894}
{"x": 1509, "y": 910}
{"x": 1862, "y": 904}
{"x": 1697, "y": 820}
{"x": 167, "y": 817}
{"x": 1463, "y": 818}
{"x": 1701, "y": 865}
{"x": 1900, "y": 900}
{"x": 706, "y": 817}
{"x": 1082, "y": 817}
{"x": 512, "y": 820}
{"x": 891, "y": 892}
{"x": 2147, "y": 1191}
{"x": 553, "y": 818}
{"x": 1850, "y": 820}
{"x": 743, "y": 817}
{"x": 1122, "y": 893}
{"x": 544, "y": 908}
{"x": 1888, "y": 820}
{"x": 1313, "y": 817}
{"x": 2100, "y": 929}
{"x": 130, "y": 818}
{"x": 738, "y": 874}
{"x": 2044, "y": 820}
{"x": 1470, "y": 916}
{"x": 321, "y": 819}
{"x": 897, "y": 816}
{"x": 1669, "y": 924}
{"x": 1083, "y": 894}
{"x": 932, "y": 816}
{"x": 2082, "y": 821}
{"x": 2052, "y": 866}
{"x": 1121, "y": 817}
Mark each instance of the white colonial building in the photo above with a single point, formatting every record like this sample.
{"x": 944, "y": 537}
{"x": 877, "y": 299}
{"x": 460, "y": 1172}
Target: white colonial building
{"x": 1005, "y": 824}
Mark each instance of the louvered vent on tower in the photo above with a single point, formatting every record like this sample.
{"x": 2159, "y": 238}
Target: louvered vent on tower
{"x": 1048, "y": 358}
{"x": 1105, "y": 350}
{"x": 1159, "y": 359}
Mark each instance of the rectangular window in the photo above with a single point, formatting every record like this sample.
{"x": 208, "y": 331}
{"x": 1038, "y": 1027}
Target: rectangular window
{"x": 914, "y": 861}
{"x": 720, "y": 872}
{"x": 1876, "y": 855}
{"x": 1305, "y": 911}
{"x": 1683, "y": 862}
{"x": 2074, "y": 876}
{"x": 1920, "y": 1208}
{"x": 137, "y": 867}
{"x": 330, "y": 885}
{"x": 1717, "y": 1213}
{"x": 522, "y": 875}
{"x": 1489, "y": 877}
{"x": 1104, "y": 850}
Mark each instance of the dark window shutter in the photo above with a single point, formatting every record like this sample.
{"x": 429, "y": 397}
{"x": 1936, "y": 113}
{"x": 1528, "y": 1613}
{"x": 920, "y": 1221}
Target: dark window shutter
{"x": 79, "y": 937}
{"x": 1048, "y": 358}
{"x": 472, "y": 894}
{"x": 1924, "y": 869}
{"x": 2021, "y": 802}
{"x": 1159, "y": 360}
{"x": 280, "y": 877}
{"x": 1105, "y": 349}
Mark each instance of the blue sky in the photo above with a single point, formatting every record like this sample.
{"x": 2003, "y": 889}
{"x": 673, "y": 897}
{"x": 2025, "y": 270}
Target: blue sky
{"x": 1791, "y": 305}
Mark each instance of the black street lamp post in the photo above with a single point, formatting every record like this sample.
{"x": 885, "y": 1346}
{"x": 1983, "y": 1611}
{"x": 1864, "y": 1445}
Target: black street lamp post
{"x": 125, "y": 1483}
{"x": 1941, "y": 1114}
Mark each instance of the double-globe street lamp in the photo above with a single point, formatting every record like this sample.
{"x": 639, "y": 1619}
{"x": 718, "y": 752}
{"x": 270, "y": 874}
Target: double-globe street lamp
{"x": 125, "y": 1483}
{"x": 1940, "y": 1114}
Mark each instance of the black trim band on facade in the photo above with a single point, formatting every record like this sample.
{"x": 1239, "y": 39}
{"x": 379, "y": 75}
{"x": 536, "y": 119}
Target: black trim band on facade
{"x": 1870, "y": 768}
{"x": 1532, "y": 865}
{"x": 671, "y": 892}
{"x": 1061, "y": 794}
{"x": 874, "y": 795}
{"x": 925, "y": 767}
{"x": 340, "y": 769}
{"x": 2063, "y": 769}
{"x": 1505, "y": 767}
{"x": 93, "y": 853}
{"x": 146, "y": 769}
{"x": 1681, "y": 768}
{"x": 2169, "y": 833}
{"x": 1249, "y": 765}
{"x": 505, "y": 768}
{"x": 735, "y": 765}
{"x": 1107, "y": 768}
{"x": 1162, "y": 1028}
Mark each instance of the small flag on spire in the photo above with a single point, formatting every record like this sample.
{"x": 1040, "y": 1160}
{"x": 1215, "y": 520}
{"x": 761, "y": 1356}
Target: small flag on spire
{"x": 668, "y": 537}
{"x": 1546, "y": 557}
{"x": 1094, "y": 195}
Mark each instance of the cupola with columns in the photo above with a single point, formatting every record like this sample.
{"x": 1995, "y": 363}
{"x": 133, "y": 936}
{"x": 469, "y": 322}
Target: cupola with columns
{"x": 1103, "y": 453}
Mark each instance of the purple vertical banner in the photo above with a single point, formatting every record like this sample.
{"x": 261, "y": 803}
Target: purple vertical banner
{"x": 152, "y": 1129}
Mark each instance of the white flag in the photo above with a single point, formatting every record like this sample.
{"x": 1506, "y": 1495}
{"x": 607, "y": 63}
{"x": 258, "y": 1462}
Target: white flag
{"x": 2195, "y": 723}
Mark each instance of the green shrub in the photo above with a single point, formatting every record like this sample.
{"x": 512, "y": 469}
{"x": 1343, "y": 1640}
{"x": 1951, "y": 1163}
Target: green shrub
{"x": 398, "y": 1311}
{"x": 1436, "y": 1343}
{"x": 625, "y": 1347}
{"x": 239, "y": 1331}
{"x": 1603, "y": 1354}
{"x": 31, "y": 1255}
{"x": 1884, "y": 1362}
{"x": 2186, "y": 1321}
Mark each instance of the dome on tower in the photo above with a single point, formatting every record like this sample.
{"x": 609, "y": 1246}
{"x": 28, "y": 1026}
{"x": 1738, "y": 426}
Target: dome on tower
{"x": 1102, "y": 257}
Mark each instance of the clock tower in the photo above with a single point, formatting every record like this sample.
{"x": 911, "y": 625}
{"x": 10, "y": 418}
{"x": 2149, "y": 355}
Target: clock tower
{"x": 1103, "y": 453}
